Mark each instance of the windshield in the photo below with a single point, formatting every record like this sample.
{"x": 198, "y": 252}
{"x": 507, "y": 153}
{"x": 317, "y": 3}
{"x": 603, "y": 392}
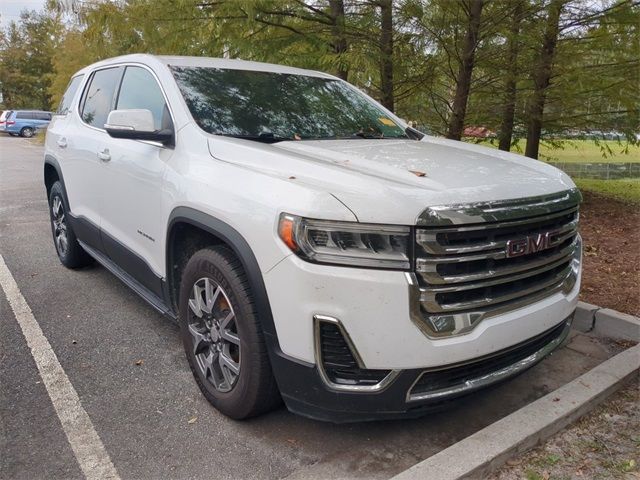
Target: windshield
{"x": 270, "y": 106}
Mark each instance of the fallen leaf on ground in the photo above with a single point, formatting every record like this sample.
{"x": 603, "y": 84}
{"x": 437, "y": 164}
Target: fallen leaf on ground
{"x": 192, "y": 420}
{"x": 139, "y": 362}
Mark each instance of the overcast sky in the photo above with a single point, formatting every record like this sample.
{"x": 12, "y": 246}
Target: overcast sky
{"x": 10, "y": 9}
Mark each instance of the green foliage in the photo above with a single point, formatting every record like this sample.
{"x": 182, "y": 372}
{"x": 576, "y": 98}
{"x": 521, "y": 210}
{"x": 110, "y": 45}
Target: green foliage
{"x": 579, "y": 151}
{"x": 595, "y": 68}
{"x": 26, "y": 60}
{"x": 627, "y": 190}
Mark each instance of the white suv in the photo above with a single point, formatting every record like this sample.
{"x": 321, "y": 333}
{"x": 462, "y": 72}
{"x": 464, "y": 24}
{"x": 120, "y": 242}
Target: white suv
{"x": 311, "y": 245}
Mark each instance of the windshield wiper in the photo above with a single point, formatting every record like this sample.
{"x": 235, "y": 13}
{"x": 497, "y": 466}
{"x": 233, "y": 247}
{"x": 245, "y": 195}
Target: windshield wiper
{"x": 368, "y": 135}
{"x": 263, "y": 137}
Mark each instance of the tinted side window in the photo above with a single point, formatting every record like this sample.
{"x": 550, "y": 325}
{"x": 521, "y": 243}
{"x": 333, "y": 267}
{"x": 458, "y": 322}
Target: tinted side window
{"x": 72, "y": 88}
{"x": 25, "y": 115}
{"x": 42, "y": 116}
{"x": 140, "y": 89}
{"x": 98, "y": 97}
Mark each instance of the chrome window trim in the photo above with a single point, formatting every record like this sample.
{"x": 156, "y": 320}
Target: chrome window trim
{"x": 377, "y": 388}
{"x": 499, "y": 210}
{"x": 479, "y": 382}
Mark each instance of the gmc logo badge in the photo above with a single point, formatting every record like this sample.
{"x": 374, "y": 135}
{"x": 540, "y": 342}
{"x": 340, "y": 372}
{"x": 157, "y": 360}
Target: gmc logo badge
{"x": 532, "y": 243}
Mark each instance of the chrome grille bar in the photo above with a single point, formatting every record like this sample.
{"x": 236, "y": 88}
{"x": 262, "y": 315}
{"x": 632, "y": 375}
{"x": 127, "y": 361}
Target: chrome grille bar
{"x": 428, "y": 295}
{"x": 428, "y": 240}
{"x": 427, "y": 268}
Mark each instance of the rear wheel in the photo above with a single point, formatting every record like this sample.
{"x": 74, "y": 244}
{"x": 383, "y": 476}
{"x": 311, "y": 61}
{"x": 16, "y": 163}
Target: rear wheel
{"x": 27, "y": 132}
{"x": 70, "y": 253}
{"x": 222, "y": 336}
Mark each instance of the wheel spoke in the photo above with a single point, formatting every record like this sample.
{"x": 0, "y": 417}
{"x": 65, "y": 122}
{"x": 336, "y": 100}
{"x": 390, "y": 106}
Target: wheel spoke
{"x": 225, "y": 321}
{"x": 210, "y": 296}
{"x": 226, "y": 362}
{"x": 229, "y": 336}
{"x": 200, "y": 340}
{"x": 207, "y": 363}
{"x": 195, "y": 303}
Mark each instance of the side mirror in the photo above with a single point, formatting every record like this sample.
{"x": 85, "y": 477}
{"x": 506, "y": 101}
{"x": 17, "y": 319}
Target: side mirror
{"x": 136, "y": 124}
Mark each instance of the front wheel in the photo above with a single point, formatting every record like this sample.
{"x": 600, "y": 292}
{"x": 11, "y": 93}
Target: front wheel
{"x": 222, "y": 336}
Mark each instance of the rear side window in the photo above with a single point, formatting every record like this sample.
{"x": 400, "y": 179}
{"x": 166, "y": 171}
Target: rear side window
{"x": 24, "y": 115}
{"x": 98, "y": 97}
{"x": 140, "y": 89}
{"x": 42, "y": 116}
{"x": 72, "y": 88}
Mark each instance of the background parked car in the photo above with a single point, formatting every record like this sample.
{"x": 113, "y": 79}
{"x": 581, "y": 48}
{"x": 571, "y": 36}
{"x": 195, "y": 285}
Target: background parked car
{"x": 24, "y": 122}
{"x": 3, "y": 116}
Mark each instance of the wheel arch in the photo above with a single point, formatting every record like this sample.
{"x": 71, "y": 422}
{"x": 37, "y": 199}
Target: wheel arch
{"x": 218, "y": 232}
{"x": 52, "y": 173}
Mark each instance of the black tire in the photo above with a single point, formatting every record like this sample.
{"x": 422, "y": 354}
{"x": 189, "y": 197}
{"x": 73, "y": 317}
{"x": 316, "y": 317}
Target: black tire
{"x": 27, "y": 132}
{"x": 255, "y": 390}
{"x": 70, "y": 253}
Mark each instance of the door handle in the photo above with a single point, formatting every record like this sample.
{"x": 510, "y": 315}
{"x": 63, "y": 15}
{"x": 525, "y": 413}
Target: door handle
{"x": 104, "y": 155}
{"x": 62, "y": 142}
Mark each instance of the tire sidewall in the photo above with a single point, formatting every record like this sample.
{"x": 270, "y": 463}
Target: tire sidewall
{"x": 27, "y": 132}
{"x": 56, "y": 191}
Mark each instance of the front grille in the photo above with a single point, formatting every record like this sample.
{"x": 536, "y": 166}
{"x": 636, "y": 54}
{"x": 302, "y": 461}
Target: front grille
{"x": 465, "y": 268}
{"x": 339, "y": 362}
{"x": 458, "y": 377}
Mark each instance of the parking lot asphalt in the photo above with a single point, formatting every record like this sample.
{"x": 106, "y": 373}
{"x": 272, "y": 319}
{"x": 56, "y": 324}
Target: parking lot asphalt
{"x": 127, "y": 366}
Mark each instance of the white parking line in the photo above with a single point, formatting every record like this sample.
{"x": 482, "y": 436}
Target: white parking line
{"x": 83, "y": 438}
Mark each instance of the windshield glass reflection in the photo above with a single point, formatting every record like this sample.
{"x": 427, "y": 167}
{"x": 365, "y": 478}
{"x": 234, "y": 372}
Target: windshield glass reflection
{"x": 267, "y": 106}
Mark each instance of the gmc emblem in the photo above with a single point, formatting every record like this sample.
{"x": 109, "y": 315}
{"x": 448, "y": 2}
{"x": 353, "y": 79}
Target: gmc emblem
{"x": 532, "y": 243}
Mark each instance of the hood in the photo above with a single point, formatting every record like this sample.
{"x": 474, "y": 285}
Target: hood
{"x": 393, "y": 181}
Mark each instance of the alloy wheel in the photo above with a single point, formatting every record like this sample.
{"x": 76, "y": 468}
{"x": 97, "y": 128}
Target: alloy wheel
{"x": 214, "y": 334}
{"x": 59, "y": 226}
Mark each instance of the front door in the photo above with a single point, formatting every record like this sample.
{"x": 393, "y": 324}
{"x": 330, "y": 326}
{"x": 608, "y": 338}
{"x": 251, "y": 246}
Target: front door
{"x": 131, "y": 211}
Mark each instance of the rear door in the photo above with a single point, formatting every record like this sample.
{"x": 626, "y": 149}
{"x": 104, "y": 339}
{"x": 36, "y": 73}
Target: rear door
{"x": 86, "y": 141}
{"x": 56, "y": 143}
{"x": 132, "y": 190}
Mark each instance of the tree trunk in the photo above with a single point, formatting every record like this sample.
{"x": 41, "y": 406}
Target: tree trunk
{"x": 463, "y": 82}
{"x": 542, "y": 78}
{"x": 505, "y": 134}
{"x": 386, "y": 54}
{"x": 339, "y": 43}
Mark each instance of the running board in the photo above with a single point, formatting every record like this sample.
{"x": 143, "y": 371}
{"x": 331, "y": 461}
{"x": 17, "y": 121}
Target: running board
{"x": 151, "y": 298}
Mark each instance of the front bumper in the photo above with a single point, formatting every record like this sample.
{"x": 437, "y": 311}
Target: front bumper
{"x": 409, "y": 394}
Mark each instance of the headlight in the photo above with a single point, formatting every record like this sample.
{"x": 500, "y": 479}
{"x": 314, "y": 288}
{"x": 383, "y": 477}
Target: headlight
{"x": 346, "y": 243}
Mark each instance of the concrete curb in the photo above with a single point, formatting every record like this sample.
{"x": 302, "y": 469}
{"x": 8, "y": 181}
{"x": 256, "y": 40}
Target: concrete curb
{"x": 606, "y": 322}
{"x": 489, "y": 448}
{"x": 585, "y": 316}
{"x": 612, "y": 324}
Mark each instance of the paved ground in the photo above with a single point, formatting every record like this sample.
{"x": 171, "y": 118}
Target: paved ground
{"x": 99, "y": 330}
